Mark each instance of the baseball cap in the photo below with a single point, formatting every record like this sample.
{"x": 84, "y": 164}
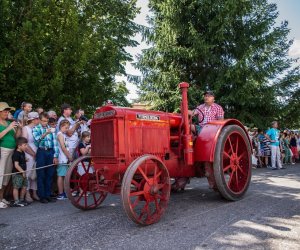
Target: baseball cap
{"x": 32, "y": 116}
{"x": 209, "y": 92}
{"x": 4, "y": 105}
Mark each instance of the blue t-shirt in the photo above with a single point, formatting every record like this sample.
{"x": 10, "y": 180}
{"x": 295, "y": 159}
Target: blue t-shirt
{"x": 273, "y": 133}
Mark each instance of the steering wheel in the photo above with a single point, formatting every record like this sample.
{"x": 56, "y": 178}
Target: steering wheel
{"x": 198, "y": 121}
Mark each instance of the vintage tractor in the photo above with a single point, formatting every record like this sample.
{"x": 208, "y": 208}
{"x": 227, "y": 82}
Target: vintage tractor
{"x": 136, "y": 152}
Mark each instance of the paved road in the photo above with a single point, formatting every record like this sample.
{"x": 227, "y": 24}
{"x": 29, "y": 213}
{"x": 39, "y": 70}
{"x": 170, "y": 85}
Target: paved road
{"x": 267, "y": 218}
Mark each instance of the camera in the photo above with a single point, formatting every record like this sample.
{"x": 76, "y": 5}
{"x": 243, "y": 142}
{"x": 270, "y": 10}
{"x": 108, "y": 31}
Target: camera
{"x": 83, "y": 118}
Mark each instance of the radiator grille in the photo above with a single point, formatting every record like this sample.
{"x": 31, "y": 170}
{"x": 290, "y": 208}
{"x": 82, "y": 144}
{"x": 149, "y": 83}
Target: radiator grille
{"x": 103, "y": 139}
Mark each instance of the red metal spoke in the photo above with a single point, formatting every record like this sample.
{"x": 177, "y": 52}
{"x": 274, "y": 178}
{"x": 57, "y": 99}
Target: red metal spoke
{"x": 89, "y": 166}
{"x": 157, "y": 175}
{"x": 230, "y": 144}
{"x": 242, "y": 155}
{"x": 137, "y": 193}
{"x": 83, "y": 165}
{"x": 85, "y": 200}
{"x": 143, "y": 211}
{"x": 242, "y": 170}
{"x": 148, "y": 213}
{"x": 80, "y": 196}
{"x": 134, "y": 204}
{"x": 226, "y": 154}
{"x": 158, "y": 196}
{"x": 237, "y": 145}
{"x": 95, "y": 200}
{"x": 226, "y": 168}
{"x": 160, "y": 186}
{"x": 135, "y": 183}
{"x": 144, "y": 175}
{"x": 230, "y": 178}
{"x": 156, "y": 204}
{"x": 237, "y": 180}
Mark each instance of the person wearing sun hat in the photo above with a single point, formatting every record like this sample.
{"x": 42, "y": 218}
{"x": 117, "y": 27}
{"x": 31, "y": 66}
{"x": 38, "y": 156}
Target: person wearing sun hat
{"x": 8, "y": 132}
{"x": 32, "y": 121}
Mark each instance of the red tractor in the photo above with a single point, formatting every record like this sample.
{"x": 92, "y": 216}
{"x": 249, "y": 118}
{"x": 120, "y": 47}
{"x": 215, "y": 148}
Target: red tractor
{"x": 136, "y": 152}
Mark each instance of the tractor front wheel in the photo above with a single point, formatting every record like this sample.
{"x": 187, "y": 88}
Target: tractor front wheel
{"x": 80, "y": 182}
{"x": 145, "y": 190}
{"x": 232, "y": 163}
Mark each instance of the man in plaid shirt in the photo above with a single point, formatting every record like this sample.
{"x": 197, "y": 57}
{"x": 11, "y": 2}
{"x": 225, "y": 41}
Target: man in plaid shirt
{"x": 207, "y": 112}
{"x": 47, "y": 154}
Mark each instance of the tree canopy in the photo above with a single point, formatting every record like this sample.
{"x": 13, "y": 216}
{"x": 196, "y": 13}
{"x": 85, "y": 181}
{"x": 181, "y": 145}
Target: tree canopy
{"x": 234, "y": 48}
{"x": 65, "y": 51}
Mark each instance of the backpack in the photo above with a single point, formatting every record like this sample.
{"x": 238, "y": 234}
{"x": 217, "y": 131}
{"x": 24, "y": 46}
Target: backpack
{"x": 16, "y": 114}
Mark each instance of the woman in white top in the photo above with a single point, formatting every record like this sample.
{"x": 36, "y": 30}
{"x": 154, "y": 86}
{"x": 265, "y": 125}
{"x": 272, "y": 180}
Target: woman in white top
{"x": 33, "y": 120}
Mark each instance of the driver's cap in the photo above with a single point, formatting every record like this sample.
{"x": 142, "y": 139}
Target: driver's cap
{"x": 209, "y": 92}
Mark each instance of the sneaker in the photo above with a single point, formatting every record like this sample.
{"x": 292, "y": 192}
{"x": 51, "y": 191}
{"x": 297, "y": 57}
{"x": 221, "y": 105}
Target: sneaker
{"x": 25, "y": 203}
{"x": 274, "y": 168}
{"x": 49, "y": 199}
{"x": 43, "y": 200}
{"x": 293, "y": 163}
{"x": 61, "y": 197}
{"x": 17, "y": 204}
{"x": 2, "y": 205}
{"x": 5, "y": 202}
{"x": 270, "y": 167}
{"x": 282, "y": 168}
{"x": 65, "y": 195}
{"x": 75, "y": 193}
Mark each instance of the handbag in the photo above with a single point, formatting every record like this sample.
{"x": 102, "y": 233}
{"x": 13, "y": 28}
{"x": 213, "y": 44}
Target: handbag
{"x": 32, "y": 174}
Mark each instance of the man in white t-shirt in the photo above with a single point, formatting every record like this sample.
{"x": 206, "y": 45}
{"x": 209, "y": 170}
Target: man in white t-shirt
{"x": 72, "y": 133}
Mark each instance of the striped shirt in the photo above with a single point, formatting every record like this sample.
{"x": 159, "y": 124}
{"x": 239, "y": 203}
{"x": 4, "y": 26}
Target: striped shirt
{"x": 49, "y": 141}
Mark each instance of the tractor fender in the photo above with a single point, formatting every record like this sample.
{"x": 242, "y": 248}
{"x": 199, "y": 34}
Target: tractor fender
{"x": 206, "y": 141}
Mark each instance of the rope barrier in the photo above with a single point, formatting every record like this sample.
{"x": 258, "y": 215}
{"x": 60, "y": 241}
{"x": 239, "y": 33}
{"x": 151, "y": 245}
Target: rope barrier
{"x": 46, "y": 166}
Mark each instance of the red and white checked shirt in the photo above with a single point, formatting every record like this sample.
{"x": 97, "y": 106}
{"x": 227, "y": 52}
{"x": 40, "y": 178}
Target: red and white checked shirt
{"x": 211, "y": 113}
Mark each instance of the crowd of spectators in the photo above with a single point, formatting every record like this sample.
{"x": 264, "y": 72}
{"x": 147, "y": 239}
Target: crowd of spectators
{"x": 288, "y": 145}
{"x": 31, "y": 140}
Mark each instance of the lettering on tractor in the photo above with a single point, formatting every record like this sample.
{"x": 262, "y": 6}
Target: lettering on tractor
{"x": 135, "y": 153}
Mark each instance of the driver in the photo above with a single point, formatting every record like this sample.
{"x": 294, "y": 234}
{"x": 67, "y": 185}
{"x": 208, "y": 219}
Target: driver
{"x": 208, "y": 111}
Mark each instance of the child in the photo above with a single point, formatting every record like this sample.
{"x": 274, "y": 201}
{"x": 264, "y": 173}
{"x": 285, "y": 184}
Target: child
{"x": 63, "y": 158}
{"x": 52, "y": 122}
{"x": 84, "y": 148}
{"x": 19, "y": 180}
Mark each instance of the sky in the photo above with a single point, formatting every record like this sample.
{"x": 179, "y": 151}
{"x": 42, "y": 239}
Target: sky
{"x": 288, "y": 10}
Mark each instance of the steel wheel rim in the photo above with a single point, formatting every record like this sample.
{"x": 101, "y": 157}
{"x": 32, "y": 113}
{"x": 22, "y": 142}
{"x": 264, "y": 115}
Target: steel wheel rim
{"x": 81, "y": 180}
{"x": 146, "y": 192}
{"x": 235, "y": 163}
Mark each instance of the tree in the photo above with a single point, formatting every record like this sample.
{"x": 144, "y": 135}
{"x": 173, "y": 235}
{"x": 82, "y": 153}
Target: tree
{"x": 231, "y": 47}
{"x": 64, "y": 51}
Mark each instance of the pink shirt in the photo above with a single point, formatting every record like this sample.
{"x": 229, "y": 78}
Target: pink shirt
{"x": 211, "y": 113}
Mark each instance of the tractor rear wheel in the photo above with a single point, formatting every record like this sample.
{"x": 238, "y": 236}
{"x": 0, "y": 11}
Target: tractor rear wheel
{"x": 145, "y": 190}
{"x": 79, "y": 183}
{"x": 232, "y": 163}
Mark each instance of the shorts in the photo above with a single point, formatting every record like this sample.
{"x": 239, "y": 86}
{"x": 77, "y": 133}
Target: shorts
{"x": 62, "y": 170}
{"x": 6, "y": 165}
{"x": 19, "y": 181}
